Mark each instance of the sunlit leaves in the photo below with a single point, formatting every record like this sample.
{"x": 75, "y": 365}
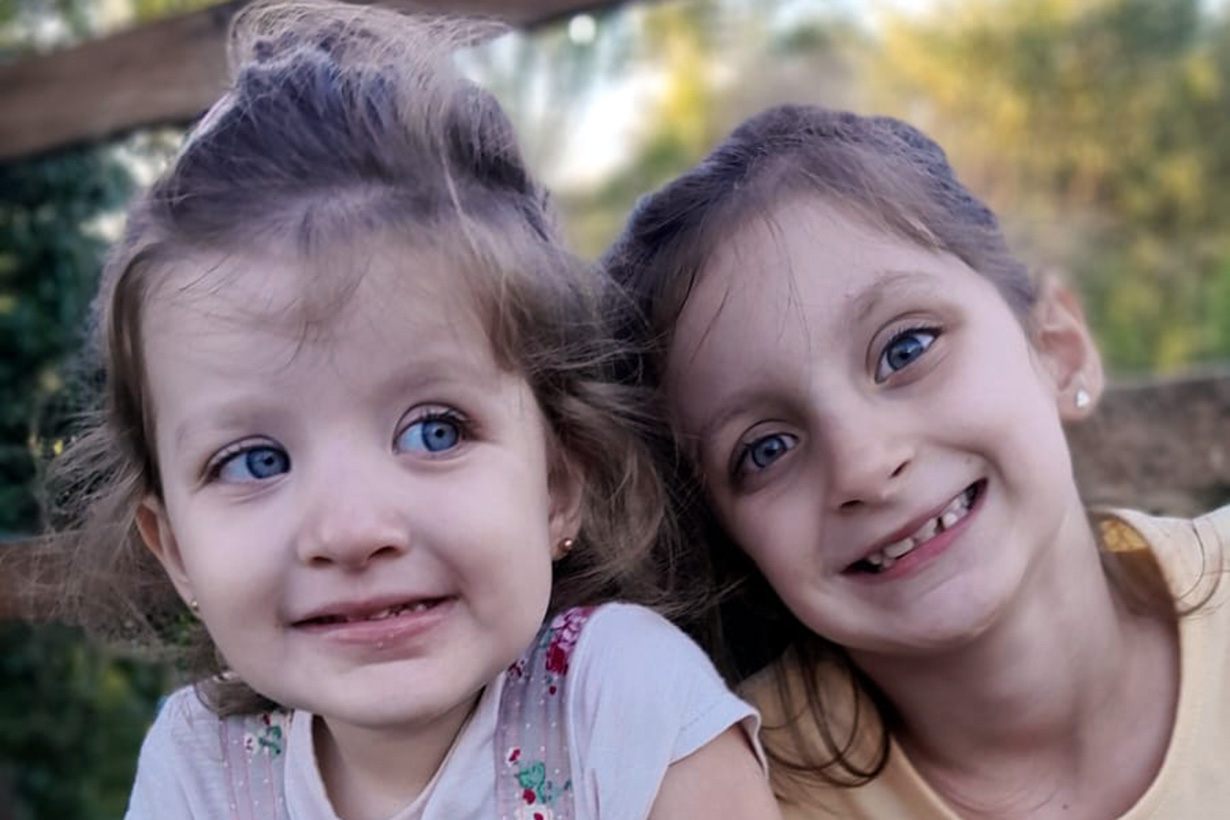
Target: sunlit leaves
{"x": 1112, "y": 113}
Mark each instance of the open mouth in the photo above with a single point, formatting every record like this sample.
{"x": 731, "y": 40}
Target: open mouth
{"x": 400, "y": 610}
{"x": 952, "y": 514}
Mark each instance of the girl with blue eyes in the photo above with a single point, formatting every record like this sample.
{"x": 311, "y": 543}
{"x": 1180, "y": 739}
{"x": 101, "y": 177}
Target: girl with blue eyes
{"x": 360, "y": 465}
{"x": 871, "y": 393}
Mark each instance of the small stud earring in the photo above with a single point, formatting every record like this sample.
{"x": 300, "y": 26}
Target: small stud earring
{"x": 194, "y": 606}
{"x": 1082, "y": 399}
{"x": 564, "y": 546}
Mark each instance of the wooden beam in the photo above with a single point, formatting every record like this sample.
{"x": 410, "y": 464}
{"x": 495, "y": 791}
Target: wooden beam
{"x": 17, "y": 573}
{"x": 1161, "y": 445}
{"x": 166, "y": 72}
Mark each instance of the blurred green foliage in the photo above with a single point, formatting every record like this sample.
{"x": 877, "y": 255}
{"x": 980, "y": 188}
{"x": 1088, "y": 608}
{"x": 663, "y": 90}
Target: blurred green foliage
{"x": 1103, "y": 126}
{"x": 71, "y": 721}
{"x": 49, "y": 259}
{"x": 71, "y": 715}
{"x": 1099, "y": 130}
{"x": 145, "y": 10}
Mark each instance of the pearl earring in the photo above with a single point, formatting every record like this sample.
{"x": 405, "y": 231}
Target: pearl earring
{"x": 564, "y": 546}
{"x": 1082, "y": 399}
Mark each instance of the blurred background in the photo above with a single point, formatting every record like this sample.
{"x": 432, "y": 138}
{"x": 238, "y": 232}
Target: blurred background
{"x": 1099, "y": 130}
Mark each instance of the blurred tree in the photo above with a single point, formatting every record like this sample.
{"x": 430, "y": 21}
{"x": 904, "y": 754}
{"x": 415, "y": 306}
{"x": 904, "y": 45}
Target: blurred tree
{"x": 71, "y": 716}
{"x": 145, "y": 10}
{"x": 71, "y": 721}
{"x": 545, "y": 79}
{"x": 1099, "y": 129}
{"x": 1104, "y": 127}
{"x": 676, "y": 41}
{"x": 712, "y": 63}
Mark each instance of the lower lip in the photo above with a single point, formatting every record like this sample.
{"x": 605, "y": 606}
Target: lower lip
{"x": 914, "y": 560}
{"x": 386, "y": 633}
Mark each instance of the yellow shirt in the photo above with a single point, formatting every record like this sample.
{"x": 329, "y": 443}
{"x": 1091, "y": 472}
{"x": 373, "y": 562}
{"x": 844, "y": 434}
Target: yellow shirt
{"x": 1194, "y": 780}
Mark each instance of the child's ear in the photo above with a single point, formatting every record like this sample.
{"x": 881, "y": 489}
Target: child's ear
{"x": 566, "y": 485}
{"x": 1066, "y": 349}
{"x": 159, "y": 538}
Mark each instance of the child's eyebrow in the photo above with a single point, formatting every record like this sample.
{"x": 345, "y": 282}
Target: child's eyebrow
{"x": 229, "y": 417}
{"x": 441, "y": 373}
{"x": 869, "y": 298}
{"x": 730, "y": 407}
{"x": 248, "y": 411}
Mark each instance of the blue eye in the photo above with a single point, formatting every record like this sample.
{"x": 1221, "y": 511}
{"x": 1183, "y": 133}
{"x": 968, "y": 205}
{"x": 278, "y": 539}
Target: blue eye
{"x": 433, "y": 434}
{"x": 765, "y": 450}
{"x": 256, "y": 463}
{"x": 902, "y": 350}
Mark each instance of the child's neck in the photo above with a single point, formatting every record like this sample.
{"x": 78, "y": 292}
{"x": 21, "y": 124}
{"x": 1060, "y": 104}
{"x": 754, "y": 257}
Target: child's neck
{"x": 1066, "y": 705}
{"x": 372, "y": 774}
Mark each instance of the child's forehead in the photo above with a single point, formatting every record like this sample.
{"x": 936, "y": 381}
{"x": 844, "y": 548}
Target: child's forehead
{"x": 801, "y": 223}
{"x": 811, "y": 264}
{"x": 378, "y": 319}
{"x": 284, "y": 291}
{"x": 811, "y": 244}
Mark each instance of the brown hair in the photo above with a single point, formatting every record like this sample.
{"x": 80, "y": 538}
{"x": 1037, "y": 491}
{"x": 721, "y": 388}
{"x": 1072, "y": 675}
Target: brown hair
{"x": 895, "y": 178}
{"x": 349, "y": 124}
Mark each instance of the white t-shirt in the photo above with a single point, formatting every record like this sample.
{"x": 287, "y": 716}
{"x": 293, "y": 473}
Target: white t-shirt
{"x": 640, "y": 696}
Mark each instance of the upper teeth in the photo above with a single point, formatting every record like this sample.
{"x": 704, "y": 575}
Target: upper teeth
{"x": 957, "y": 509}
{"x": 388, "y": 612}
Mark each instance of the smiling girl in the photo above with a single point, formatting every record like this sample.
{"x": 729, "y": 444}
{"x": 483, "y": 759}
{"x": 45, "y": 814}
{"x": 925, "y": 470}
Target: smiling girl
{"x": 873, "y": 392}
{"x": 358, "y": 447}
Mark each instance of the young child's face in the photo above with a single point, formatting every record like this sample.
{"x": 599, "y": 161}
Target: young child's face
{"x": 362, "y": 510}
{"x": 849, "y": 394}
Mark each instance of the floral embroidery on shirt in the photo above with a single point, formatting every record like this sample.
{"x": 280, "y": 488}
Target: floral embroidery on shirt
{"x": 269, "y": 735}
{"x": 534, "y": 689}
{"x": 537, "y": 792}
{"x": 563, "y": 635}
{"x": 559, "y": 640}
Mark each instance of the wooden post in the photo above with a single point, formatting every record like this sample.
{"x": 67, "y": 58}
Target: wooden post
{"x": 164, "y": 72}
{"x": 16, "y": 571}
{"x": 1161, "y": 445}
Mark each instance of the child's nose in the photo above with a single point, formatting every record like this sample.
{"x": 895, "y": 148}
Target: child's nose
{"x": 353, "y": 518}
{"x": 869, "y": 454}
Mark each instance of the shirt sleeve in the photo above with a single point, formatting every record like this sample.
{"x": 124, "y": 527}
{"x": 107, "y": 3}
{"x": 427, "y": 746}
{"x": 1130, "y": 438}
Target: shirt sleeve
{"x": 179, "y": 772}
{"x": 642, "y": 695}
